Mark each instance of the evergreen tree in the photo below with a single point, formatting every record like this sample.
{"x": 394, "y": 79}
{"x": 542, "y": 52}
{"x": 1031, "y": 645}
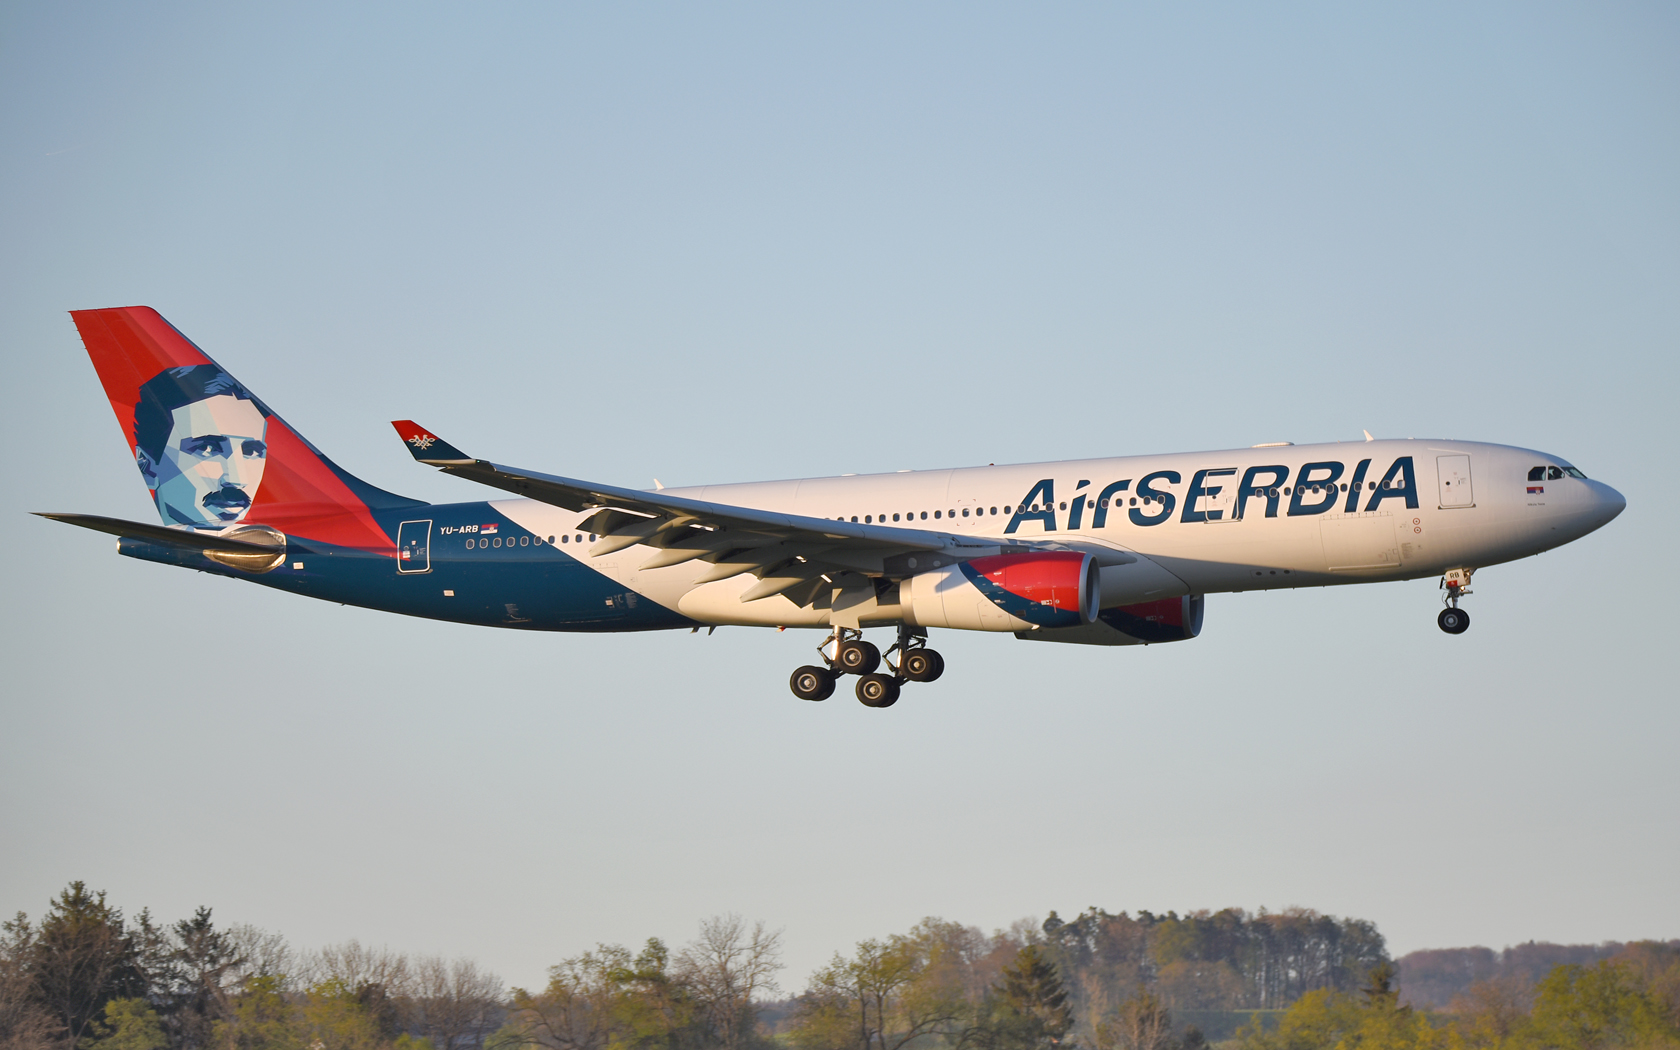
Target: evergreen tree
{"x": 83, "y": 957}
{"x": 1029, "y": 1009}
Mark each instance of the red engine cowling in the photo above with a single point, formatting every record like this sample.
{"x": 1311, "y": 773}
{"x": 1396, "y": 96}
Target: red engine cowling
{"x": 1168, "y": 620}
{"x": 1007, "y": 592}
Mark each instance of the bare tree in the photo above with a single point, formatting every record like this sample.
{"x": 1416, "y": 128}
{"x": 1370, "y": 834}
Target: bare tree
{"x": 24, "y": 1024}
{"x": 357, "y": 966}
{"x": 263, "y": 954}
{"x": 456, "y": 1000}
{"x": 1142, "y": 1023}
{"x": 726, "y": 968}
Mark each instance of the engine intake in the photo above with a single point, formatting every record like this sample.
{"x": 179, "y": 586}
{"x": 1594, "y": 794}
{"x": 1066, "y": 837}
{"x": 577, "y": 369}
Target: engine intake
{"x": 1006, "y": 592}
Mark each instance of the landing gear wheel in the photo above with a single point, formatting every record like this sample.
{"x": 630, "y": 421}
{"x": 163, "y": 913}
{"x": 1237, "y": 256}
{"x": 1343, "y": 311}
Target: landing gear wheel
{"x": 922, "y": 665}
{"x": 1454, "y": 621}
{"x": 812, "y": 683}
{"x": 857, "y": 657}
{"x": 877, "y": 690}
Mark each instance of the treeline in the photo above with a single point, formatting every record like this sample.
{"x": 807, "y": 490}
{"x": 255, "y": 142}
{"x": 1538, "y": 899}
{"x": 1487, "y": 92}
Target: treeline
{"x": 84, "y": 978}
{"x": 1630, "y": 1001}
{"x": 1224, "y": 960}
{"x": 1433, "y": 978}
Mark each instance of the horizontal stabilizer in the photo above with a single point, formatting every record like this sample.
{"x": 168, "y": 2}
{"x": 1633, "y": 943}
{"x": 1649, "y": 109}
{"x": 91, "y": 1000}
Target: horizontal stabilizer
{"x": 426, "y": 446}
{"x": 160, "y": 534}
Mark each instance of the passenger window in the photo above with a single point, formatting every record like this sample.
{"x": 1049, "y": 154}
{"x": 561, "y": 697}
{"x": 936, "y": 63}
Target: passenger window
{"x": 565, "y": 539}
{"x": 1537, "y": 474}
{"x": 924, "y": 515}
{"x": 854, "y": 517}
{"x": 551, "y": 540}
{"x": 1554, "y": 473}
{"x": 524, "y": 541}
{"x": 470, "y": 545}
{"x": 498, "y": 541}
{"x": 965, "y": 512}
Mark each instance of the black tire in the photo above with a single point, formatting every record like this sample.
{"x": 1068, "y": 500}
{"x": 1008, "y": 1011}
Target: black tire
{"x": 923, "y": 665}
{"x": 812, "y": 683}
{"x": 877, "y": 690}
{"x": 1454, "y": 621}
{"x": 857, "y": 657}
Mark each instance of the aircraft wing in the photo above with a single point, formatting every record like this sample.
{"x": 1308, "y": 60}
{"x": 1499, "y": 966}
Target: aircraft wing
{"x": 789, "y": 553}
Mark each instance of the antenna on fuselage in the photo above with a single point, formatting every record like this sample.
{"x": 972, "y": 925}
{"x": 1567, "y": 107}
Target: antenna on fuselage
{"x": 1368, "y": 436}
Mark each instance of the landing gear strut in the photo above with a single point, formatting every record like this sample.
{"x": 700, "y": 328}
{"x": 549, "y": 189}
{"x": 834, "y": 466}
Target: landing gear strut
{"x": 852, "y": 655}
{"x": 1456, "y": 583}
{"x": 916, "y": 662}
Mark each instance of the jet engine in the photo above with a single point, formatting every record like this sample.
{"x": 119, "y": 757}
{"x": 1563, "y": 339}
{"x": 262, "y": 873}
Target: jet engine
{"x": 1146, "y": 623}
{"x": 1006, "y": 592}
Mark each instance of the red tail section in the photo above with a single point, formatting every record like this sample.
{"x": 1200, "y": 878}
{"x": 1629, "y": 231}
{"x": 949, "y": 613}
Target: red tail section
{"x": 212, "y": 454}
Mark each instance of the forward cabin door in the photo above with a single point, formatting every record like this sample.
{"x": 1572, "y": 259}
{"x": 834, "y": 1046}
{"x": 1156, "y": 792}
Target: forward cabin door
{"x": 1454, "y": 476}
{"x": 414, "y": 546}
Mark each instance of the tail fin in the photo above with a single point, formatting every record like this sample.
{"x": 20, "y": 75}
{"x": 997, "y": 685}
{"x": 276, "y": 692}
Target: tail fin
{"x": 211, "y": 453}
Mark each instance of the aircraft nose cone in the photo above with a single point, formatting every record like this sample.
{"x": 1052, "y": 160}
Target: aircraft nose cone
{"x": 1609, "y": 502}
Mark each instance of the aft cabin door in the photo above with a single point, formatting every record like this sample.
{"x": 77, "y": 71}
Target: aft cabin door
{"x": 1454, "y": 473}
{"x": 414, "y": 546}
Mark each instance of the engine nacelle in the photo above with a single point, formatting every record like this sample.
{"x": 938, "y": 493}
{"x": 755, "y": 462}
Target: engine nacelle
{"x": 1146, "y": 623}
{"x": 1168, "y": 620}
{"x": 1006, "y": 592}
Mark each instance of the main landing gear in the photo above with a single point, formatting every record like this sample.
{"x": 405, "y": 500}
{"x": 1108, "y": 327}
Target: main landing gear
{"x": 852, "y": 655}
{"x": 1456, "y": 583}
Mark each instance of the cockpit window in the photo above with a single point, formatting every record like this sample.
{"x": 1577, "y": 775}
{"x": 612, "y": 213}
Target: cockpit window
{"x": 1537, "y": 474}
{"x": 1554, "y": 473}
{"x": 1574, "y": 473}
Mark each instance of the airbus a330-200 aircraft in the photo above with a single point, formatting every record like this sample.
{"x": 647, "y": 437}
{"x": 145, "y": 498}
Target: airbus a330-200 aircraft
{"x": 1117, "y": 551}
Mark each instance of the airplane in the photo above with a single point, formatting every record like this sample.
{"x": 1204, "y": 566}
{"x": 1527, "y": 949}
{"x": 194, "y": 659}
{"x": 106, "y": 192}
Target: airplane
{"x": 1108, "y": 551}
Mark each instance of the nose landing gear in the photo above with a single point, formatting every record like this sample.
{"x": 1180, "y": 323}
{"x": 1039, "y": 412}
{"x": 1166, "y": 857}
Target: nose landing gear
{"x": 852, "y": 655}
{"x": 1456, "y": 583}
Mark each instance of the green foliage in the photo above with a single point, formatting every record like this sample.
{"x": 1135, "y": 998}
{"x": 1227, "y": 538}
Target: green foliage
{"x": 1592, "y": 1008}
{"x": 1330, "y": 1020}
{"x": 260, "y": 1019}
{"x": 128, "y": 1024}
{"x": 892, "y": 993}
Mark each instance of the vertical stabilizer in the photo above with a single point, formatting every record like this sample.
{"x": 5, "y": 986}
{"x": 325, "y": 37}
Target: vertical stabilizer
{"x": 212, "y": 453}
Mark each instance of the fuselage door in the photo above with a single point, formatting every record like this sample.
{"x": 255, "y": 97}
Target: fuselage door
{"x": 1221, "y": 502}
{"x": 1454, "y": 474}
{"x": 414, "y": 546}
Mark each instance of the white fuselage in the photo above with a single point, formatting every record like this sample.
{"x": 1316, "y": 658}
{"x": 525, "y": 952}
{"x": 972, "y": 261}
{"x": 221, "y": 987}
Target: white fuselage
{"x": 1163, "y": 525}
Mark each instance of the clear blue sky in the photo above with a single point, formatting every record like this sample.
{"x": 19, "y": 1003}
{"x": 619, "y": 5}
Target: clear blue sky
{"x": 730, "y": 242}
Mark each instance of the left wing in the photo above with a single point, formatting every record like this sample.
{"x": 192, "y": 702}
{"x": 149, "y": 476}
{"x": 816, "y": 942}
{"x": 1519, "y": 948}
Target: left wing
{"x": 789, "y": 553}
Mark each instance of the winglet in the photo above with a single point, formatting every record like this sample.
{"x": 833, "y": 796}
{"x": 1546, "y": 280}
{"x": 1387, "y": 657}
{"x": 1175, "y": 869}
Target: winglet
{"x": 426, "y": 446}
